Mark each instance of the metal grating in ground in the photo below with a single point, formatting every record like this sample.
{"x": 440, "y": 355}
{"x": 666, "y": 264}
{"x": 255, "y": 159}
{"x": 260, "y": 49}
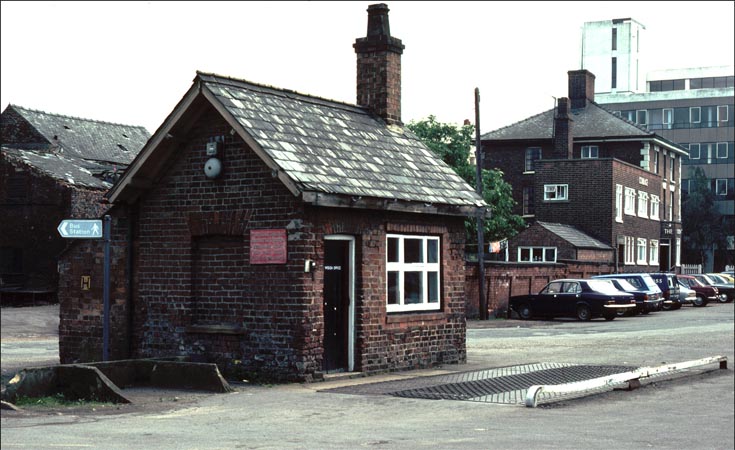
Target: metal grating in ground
{"x": 502, "y": 385}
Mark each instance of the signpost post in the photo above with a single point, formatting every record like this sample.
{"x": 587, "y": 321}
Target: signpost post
{"x": 94, "y": 229}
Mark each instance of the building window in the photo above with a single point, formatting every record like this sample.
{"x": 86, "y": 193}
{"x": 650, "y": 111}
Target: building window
{"x": 614, "y": 38}
{"x": 695, "y": 114}
{"x": 694, "y": 151}
{"x": 618, "y": 203}
{"x": 722, "y": 113}
{"x": 413, "y": 264}
{"x": 642, "y": 250}
{"x": 629, "y": 201}
{"x": 528, "y": 205}
{"x": 668, "y": 118}
{"x": 653, "y": 253}
{"x": 672, "y": 167}
{"x": 655, "y": 161}
{"x": 670, "y": 214}
{"x": 537, "y": 254}
{"x": 629, "y": 250}
{"x": 721, "y": 186}
{"x": 614, "y": 75}
{"x": 532, "y": 154}
{"x": 555, "y": 192}
{"x": 722, "y": 150}
{"x": 590, "y": 151}
{"x": 628, "y": 115}
{"x": 655, "y": 202}
{"x": 641, "y": 117}
{"x": 642, "y": 204}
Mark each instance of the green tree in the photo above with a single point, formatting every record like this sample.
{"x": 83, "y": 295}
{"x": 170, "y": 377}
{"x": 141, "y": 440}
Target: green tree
{"x": 453, "y": 144}
{"x": 702, "y": 224}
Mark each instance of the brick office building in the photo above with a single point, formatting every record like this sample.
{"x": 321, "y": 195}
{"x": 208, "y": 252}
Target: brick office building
{"x": 52, "y": 167}
{"x": 583, "y": 166}
{"x": 284, "y": 235}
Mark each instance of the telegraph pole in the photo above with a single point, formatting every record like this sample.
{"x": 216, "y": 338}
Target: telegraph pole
{"x": 481, "y": 212}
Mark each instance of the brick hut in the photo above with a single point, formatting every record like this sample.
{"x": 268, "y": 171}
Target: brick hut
{"x": 285, "y": 235}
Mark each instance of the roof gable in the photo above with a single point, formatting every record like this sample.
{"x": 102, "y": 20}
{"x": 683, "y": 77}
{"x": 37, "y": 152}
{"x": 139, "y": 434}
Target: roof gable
{"x": 323, "y": 149}
{"x": 86, "y": 138}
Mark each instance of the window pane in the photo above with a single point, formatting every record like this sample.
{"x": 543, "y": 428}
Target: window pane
{"x": 412, "y": 283}
{"x": 550, "y": 255}
{"x": 413, "y": 251}
{"x": 393, "y": 291}
{"x": 432, "y": 250}
{"x": 433, "y": 287}
{"x": 525, "y": 254}
{"x": 538, "y": 254}
{"x": 392, "y": 249}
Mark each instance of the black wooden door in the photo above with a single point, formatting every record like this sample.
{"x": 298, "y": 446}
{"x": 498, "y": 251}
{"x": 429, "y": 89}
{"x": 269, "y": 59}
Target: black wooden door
{"x": 336, "y": 304}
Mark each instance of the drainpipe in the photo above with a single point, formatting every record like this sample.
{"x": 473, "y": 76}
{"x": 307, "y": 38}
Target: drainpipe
{"x": 129, "y": 279}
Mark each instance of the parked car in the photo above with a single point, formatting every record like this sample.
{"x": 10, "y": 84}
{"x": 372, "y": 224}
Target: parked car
{"x": 670, "y": 287}
{"x": 727, "y": 276}
{"x": 648, "y": 296}
{"x": 705, "y": 294}
{"x": 686, "y": 295}
{"x": 727, "y": 292}
{"x": 580, "y": 298}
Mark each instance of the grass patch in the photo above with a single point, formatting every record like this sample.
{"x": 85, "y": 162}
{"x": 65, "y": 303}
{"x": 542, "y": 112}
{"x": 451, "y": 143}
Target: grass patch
{"x": 57, "y": 401}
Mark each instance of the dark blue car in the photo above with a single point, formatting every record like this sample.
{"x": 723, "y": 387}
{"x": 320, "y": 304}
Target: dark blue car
{"x": 580, "y": 298}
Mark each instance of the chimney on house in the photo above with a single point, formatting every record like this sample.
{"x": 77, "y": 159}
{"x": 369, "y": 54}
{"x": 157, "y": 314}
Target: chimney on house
{"x": 581, "y": 88}
{"x": 379, "y": 67}
{"x": 563, "y": 136}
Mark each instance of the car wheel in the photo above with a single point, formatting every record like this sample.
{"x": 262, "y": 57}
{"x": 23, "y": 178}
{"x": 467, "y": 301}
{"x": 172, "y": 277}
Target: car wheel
{"x": 524, "y": 311}
{"x": 667, "y": 306}
{"x": 583, "y": 312}
{"x": 700, "y": 301}
{"x": 610, "y": 316}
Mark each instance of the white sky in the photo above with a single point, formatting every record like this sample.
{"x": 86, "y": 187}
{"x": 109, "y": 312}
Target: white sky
{"x": 131, "y": 62}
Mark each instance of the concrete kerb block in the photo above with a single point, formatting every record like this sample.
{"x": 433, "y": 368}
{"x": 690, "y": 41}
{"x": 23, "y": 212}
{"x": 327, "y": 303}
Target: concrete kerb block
{"x": 632, "y": 378}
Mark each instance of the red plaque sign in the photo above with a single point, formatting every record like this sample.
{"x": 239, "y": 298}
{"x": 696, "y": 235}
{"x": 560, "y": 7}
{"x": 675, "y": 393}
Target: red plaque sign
{"x": 268, "y": 246}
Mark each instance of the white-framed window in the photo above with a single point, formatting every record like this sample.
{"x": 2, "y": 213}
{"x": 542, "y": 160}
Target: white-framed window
{"x": 413, "y": 266}
{"x": 653, "y": 252}
{"x": 668, "y": 118}
{"x": 528, "y": 201}
{"x": 670, "y": 208}
{"x": 532, "y": 154}
{"x": 555, "y": 192}
{"x": 619, "y": 203}
{"x": 629, "y": 207}
{"x": 655, "y": 160}
{"x": 722, "y": 150}
{"x": 721, "y": 186}
{"x": 642, "y": 251}
{"x": 655, "y": 204}
{"x": 695, "y": 114}
{"x": 630, "y": 250}
{"x": 537, "y": 254}
{"x": 694, "y": 151}
{"x": 590, "y": 151}
{"x": 641, "y": 117}
{"x": 642, "y": 204}
{"x": 672, "y": 167}
{"x": 722, "y": 113}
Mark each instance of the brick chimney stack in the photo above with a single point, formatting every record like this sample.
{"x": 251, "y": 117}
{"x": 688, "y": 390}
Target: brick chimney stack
{"x": 563, "y": 136}
{"x": 379, "y": 67}
{"x": 581, "y": 87}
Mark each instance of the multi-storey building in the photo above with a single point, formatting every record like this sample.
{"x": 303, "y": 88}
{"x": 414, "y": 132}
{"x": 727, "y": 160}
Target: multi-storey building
{"x": 581, "y": 165}
{"x": 692, "y": 107}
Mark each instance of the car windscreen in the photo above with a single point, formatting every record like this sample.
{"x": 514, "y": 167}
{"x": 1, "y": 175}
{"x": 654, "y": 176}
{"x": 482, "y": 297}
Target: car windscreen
{"x": 626, "y": 286}
{"x": 717, "y": 279}
{"x": 604, "y": 286}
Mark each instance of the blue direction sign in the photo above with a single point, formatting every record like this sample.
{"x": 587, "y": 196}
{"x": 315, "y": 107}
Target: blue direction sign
{"x": 80, "y": 229}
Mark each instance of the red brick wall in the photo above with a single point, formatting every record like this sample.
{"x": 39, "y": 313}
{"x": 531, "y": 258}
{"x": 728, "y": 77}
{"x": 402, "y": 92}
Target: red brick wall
{"x": 197, "y": 294}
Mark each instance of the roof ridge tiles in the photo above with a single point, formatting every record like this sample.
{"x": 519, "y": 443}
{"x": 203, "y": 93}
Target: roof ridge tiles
{"x": 38, "y": 111}
{"x": 286, "y": 92}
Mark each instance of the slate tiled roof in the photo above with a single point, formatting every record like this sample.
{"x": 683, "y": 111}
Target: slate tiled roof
{"x": 67, "y": 169}
{"x": 574, "y": 236}
{"x": 87, "y": 139}
{"x": 335, "y": 148}
{"x": 594, "y": 121}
